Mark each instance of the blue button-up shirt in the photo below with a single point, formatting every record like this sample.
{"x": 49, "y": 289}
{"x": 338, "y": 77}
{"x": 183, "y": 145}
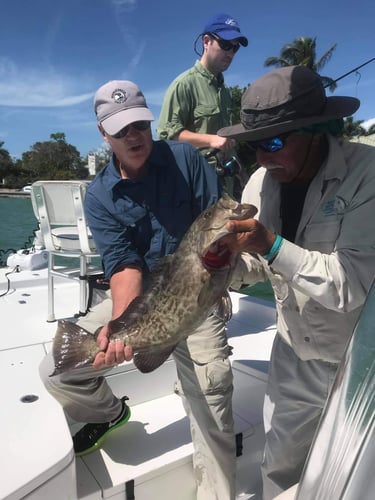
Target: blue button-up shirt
{"x": 135, "y": 222}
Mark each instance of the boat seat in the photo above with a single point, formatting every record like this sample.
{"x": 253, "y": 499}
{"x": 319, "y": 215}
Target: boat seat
{"x": 58, "y": 207}
{"x": 67, "y": 238}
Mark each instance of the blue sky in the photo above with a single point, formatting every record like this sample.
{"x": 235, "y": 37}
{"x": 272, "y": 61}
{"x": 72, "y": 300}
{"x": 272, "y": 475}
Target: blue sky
{"x": 54, "y": 54}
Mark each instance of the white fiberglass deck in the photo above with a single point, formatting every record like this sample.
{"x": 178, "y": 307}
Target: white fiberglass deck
{"x": 151, "y": 454}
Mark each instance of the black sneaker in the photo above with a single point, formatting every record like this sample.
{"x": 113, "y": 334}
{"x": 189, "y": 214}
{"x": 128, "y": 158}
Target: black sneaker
{"x": 91, "y": 436}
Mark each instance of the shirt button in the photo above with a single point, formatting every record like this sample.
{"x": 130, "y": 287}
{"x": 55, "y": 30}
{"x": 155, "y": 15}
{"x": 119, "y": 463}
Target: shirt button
{"x": 306, "y": 339}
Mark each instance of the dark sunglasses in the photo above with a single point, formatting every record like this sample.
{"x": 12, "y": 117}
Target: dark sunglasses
{"x": 141, "y": 125}
{"x": 226, "y": 44}
{"x": 270, "y": 145}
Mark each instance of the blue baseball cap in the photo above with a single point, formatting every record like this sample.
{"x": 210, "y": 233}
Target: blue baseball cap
{"x": 225, "y": 27}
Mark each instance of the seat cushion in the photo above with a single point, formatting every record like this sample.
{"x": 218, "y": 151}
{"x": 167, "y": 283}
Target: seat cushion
{"x": 66, "y": 238}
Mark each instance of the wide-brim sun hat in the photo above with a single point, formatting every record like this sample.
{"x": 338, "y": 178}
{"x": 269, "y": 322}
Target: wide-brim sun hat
{"x": 284, "y": 100}
{"x": 119, "y": 103}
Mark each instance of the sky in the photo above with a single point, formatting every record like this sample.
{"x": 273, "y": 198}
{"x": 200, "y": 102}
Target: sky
{"x": 54, "y": 55}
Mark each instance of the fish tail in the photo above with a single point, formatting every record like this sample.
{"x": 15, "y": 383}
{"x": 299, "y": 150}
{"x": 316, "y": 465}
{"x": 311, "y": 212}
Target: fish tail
{"x": 73, "y": 347}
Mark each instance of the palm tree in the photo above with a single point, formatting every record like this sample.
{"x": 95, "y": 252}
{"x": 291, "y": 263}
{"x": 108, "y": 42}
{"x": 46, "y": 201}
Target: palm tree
{"x": 302, "y": 52}
{"x": 370, "y": 130}
{"x": 353, "y": 128}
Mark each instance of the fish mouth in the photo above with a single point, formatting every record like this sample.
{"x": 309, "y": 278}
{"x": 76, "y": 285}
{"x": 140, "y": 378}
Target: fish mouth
{"x": 240, "y": 212}
{"x": 243, "y": 211}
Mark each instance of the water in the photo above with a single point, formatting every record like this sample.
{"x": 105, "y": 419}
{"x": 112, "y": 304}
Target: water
{"x": 18, "y": 223}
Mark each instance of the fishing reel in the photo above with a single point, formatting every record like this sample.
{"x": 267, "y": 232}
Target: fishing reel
{"x": 223, "y": 168}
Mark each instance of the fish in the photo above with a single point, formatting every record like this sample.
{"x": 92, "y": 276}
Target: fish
{"x": 184, "y": 289}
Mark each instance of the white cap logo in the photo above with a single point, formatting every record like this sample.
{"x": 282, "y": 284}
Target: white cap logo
{"x": 119, "y": 96}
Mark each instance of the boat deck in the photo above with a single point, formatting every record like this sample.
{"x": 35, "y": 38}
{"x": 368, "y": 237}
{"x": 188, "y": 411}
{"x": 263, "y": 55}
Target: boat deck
{"x": 149, "y": 457}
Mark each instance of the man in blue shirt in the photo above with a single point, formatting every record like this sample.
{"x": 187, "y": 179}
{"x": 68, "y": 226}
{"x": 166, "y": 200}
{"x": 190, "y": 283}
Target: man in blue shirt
{"x": 138, "y": 209}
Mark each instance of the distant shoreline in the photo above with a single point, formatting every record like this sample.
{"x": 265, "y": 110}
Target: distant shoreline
{"x": 13, "y": 193}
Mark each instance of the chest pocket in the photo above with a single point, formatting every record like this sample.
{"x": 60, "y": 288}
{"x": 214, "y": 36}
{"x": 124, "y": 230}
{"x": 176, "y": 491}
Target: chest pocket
{"x": 206, "y": 114}
{"x": 322, "y": 236}
{"x": 137, "y": 225}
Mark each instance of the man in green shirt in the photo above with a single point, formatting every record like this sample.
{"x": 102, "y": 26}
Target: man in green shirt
{"x": 198, "y": 103}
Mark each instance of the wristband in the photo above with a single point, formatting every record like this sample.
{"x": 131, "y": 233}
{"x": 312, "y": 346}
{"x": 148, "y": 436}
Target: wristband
{"x": 274, "y": 249}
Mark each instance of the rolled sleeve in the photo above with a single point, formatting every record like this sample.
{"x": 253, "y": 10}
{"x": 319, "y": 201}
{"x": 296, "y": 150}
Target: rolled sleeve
{"x": 174, "y": 116}
{"x": 112, "y": 239}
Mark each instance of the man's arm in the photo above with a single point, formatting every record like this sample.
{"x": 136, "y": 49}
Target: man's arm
{"x": 205, "y": 140}
{"x": 177, "y": 117}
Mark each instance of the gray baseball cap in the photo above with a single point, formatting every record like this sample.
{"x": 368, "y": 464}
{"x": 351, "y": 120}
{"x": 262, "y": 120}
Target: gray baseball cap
{"x": 119, "y": 103}
{"x": 284, "y": 100}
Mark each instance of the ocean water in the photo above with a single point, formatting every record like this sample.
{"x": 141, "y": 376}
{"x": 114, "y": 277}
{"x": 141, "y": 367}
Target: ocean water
{"x": 18, "y": 224}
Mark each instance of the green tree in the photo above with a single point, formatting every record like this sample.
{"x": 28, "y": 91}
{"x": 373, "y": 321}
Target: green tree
{"x": 54, "y": 159}
{"x": 236, "y": 93}
{"x": 353, "y": 128}
{"x": 104, "y": 154}
{"x": 244, "y": 153}
{"x": 370, "y": 130}
{"x": 302, "y": 52}
{"x": 6, "y": 162}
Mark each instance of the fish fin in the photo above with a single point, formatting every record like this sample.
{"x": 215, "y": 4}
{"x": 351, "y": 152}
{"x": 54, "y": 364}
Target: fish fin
{"x": 73, "y": 347}
{"x": 223, "y": 308}
{"x": 205, "y": 292}
{"x": 137, "y": 308}
{"x": 148, "y": 361}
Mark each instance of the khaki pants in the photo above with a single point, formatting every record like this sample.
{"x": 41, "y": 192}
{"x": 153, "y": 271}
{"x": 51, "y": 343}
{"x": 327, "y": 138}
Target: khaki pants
{"x": 296, "y": 393}
{"x": 205, "y": 385}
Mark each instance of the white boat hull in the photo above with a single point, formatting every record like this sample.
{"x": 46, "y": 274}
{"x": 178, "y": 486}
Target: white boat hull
{"x": 150, "y": 458}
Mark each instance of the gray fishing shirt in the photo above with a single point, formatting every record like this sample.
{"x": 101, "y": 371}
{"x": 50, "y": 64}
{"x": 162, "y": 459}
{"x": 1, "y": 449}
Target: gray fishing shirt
{"x": 320, "y": 281}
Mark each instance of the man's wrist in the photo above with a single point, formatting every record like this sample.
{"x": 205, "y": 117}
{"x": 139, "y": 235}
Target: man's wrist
{"x": 274, "y": 250}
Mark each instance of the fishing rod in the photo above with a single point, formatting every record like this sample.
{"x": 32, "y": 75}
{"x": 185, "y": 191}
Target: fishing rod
{"x": 350, "y": 72}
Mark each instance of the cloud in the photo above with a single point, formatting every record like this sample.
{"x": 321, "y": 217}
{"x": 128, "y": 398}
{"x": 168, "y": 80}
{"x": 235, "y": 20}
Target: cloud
{"x": 30, "y": 87}
{"x": 367, "y": 124}
{"x": 128, "y": 5}
{"x": 133, "y": 42}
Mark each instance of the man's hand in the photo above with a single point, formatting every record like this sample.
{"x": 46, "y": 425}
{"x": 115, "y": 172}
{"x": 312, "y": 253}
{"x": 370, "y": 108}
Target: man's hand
{"x": 222, "y": 143}
{"x": 113, "y": 353}
{"x": 250, "y": 236}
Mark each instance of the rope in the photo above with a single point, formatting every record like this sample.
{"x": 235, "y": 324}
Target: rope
{"x": 4, "y": 254}
{"x": 14, "y": 270}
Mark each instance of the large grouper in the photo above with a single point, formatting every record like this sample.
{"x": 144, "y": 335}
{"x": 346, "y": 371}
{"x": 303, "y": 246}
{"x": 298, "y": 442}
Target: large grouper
{"x": 184, "y": 288}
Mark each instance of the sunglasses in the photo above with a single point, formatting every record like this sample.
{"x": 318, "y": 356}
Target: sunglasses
{"x": 270, "y": 145}
{"x": 226, "y": 45}
{"x": 141, "y": 125}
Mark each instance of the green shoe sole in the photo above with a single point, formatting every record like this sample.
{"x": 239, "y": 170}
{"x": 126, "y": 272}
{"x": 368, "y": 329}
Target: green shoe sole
{"x": 100, "y": 441}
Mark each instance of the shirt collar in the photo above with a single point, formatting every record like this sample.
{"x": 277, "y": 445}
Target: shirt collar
{"x": 219, "y": 80}
{"x": 112, "y": 176}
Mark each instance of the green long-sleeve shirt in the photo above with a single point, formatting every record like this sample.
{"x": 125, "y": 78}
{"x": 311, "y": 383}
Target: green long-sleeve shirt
{"x": 197, "y": 101}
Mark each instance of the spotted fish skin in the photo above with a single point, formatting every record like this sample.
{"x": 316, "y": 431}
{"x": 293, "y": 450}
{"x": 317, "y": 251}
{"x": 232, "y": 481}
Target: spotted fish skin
{"x": 181, "y": 294}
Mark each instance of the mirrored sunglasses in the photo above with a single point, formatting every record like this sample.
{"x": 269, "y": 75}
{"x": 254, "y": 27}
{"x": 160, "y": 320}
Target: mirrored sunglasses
{"x": 226, "y": 45}
{"x": 141, "y": 125}
{"x": 270, "y": 145}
